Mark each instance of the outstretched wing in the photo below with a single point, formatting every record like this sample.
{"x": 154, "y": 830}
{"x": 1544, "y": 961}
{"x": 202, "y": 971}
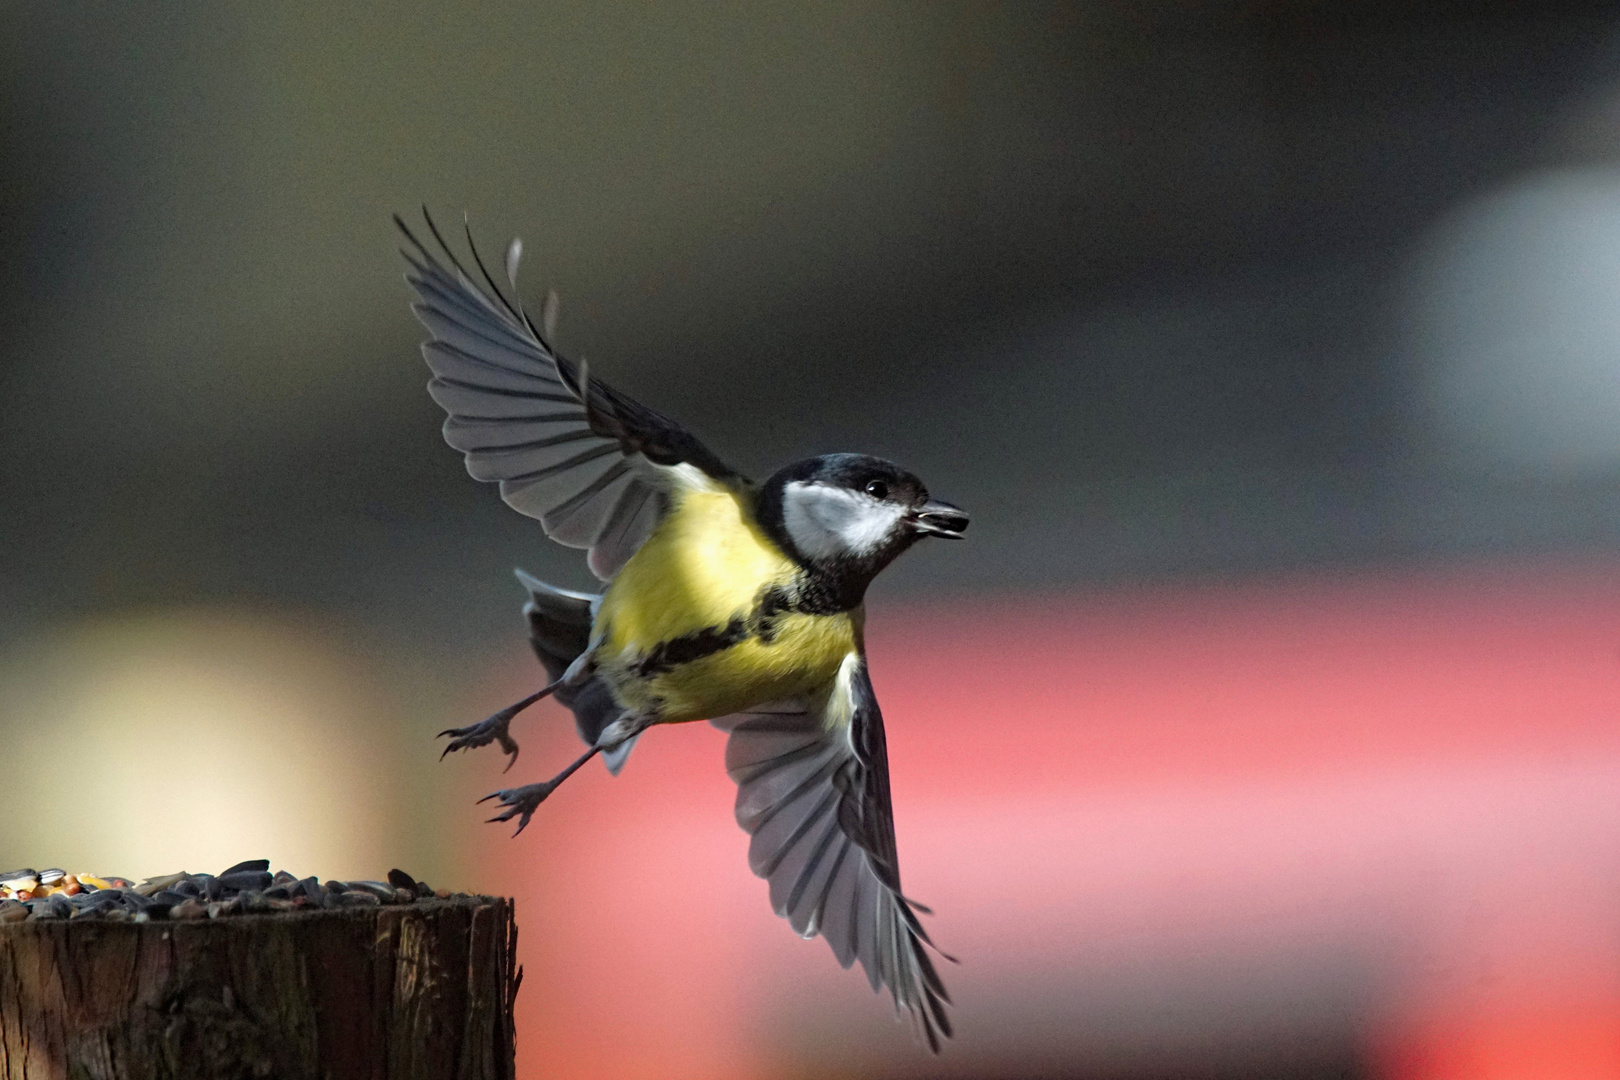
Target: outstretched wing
{"x": 595, "y": 467}
{"x": 813, "y": 790}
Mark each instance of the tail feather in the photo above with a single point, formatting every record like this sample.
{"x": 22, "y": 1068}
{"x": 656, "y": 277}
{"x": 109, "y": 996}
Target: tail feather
{"x": 614, "y": 759}
{"x": 559, "y": 623}
{"x": 560, "y": 630}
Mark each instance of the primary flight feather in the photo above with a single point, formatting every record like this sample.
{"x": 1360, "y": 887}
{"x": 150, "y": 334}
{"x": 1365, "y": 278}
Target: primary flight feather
{"x": 724, "y": 600}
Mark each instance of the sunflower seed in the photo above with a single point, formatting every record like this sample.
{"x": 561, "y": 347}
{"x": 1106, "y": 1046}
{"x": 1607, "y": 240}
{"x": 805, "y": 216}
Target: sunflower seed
{"x": 257, "y": 866}
{"x": 247, "y": 887}
{"x": 91, "y": 911}
{"x": 257, "y": 880}
{"x": 375, "y": 888}
{"x": 156, "y": 885}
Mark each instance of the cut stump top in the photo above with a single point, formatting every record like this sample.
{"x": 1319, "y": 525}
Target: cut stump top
{"x": 405, "y": 991}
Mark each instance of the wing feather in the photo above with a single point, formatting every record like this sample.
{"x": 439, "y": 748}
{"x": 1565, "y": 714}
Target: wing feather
{"x": 469, "y": 433}
{"x": 593, "y": 465}
{"x": 470, "y": 401}
{"x": 838, "y": 922}
{"x": 473, "y": 345}
{"x": 815, "y": 799}
{"x": 804, "y": 900}
{"x": 578, "y": 520}
{"x": 630, "y": 522}
{"x": 457, "y": 365}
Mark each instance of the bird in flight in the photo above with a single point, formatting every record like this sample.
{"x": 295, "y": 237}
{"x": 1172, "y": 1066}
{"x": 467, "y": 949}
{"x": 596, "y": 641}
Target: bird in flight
{"x": 724, "y": 600}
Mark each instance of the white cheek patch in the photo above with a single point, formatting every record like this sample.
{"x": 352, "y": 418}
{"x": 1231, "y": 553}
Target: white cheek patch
{"x": 827, "y": 522}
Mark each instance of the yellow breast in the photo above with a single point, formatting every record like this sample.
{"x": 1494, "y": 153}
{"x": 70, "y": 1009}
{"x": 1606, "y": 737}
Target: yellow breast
{"x": 705, "y": 566}
{"x": 706, "y": 562}
{"x": 802, "y": 659}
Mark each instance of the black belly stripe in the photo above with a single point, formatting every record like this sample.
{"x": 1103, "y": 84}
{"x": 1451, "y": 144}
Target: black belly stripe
{"x": 676, "y": 651}
{"x": 773, "y": 603}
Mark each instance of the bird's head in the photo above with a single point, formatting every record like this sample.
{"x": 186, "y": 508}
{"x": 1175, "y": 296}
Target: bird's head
{"x": 852, "y": 514}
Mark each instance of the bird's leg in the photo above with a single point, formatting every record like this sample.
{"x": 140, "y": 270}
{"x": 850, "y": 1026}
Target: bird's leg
{"x": 526, "y": 800}
{"x": 494, "y": 728}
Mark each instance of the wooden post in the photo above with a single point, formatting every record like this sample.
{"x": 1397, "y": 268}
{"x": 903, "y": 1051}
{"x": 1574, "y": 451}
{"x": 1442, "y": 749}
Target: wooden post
{"x": 419, "y": 991}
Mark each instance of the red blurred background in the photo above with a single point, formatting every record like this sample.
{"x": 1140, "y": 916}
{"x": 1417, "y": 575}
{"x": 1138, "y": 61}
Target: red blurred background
{"x": 1165, "y": 830}
{"x": 1263, "y": 727}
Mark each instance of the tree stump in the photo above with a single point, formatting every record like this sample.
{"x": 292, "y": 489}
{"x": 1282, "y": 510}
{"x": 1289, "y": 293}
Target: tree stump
{"x": 403, "y": 992}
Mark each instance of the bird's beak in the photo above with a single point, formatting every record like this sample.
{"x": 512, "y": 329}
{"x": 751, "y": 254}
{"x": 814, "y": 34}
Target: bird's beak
{"x": 938, "y": 518}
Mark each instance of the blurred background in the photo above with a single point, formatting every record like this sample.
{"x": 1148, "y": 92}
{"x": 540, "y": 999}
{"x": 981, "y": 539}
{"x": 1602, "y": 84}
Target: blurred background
{"x": 1266, "y": 725}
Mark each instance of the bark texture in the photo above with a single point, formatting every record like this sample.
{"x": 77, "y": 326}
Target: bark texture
{"x": 406, "y": 992}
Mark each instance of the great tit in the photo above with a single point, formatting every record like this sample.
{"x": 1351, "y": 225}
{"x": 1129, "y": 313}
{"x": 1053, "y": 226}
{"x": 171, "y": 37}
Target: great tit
{"x": 725, "y": 600}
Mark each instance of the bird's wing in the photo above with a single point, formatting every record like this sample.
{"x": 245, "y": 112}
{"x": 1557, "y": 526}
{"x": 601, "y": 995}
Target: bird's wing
{"x": 813, "y": 790}
{"x": 595, "y": 467}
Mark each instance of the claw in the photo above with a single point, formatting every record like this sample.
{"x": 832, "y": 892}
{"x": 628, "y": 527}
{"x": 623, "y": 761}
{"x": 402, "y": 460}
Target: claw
{"x": 482, "y": 734}
{"x": 524, "y": 800}
{"x": 493, "y": 729}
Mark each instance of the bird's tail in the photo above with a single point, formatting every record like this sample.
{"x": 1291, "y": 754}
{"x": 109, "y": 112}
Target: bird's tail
{"x": 560, "y": 630}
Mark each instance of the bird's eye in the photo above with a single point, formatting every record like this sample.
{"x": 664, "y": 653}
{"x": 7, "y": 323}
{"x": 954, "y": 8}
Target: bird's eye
{"x": 878, "y": 489}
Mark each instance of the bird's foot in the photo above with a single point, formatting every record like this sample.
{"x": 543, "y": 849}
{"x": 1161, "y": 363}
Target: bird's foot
{"x": 526, "y": 800}
{"x": 494, "y": 729}
{"x": 482, "y": 734}
{"x": 523, "y": 800}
